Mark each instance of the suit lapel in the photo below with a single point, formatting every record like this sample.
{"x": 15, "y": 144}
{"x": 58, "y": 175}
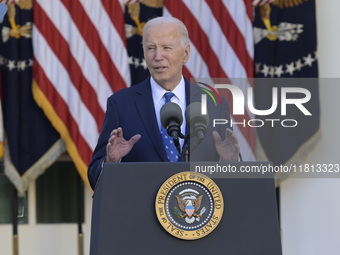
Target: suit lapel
{"x": 146, "y": 110}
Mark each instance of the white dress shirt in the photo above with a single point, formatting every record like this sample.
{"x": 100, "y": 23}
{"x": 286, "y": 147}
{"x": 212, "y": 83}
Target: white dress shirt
{"x": 158, "y": 101}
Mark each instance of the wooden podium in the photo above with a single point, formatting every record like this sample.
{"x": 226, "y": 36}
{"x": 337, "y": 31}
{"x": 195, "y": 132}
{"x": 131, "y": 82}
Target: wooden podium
{"x": 124, "y": 220}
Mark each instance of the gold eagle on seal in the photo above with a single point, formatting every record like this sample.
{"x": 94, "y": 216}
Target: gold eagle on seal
{"x": 189, "y": 207}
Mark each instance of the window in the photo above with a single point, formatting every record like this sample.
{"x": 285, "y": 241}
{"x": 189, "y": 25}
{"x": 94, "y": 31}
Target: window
{"x": 6, "y": 190}
{"x": 59, "y": 194}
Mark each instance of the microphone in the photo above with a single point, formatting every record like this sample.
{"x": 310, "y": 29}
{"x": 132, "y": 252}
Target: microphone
{"x": 198, "y": 122}
{"x": 171, "y": 120}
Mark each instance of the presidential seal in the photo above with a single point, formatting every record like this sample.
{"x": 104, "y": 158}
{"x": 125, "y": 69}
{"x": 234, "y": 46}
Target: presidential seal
{"x": 189, "y": 205}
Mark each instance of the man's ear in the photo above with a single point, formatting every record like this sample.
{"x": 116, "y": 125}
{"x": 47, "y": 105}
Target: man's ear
{"x": 186, "y": 53}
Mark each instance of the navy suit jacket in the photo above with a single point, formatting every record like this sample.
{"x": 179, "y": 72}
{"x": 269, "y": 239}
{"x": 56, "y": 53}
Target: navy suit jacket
{"x": 132, "y": 109}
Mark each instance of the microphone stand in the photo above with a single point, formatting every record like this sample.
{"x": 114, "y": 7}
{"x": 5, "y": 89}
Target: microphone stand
{"x": 174, "y": 131}
{"x": 185, "y": 152}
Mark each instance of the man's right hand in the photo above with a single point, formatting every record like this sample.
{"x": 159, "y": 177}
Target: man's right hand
{"x": 117, "y": 147}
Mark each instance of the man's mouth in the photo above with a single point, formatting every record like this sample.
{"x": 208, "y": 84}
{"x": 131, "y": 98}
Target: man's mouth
{"x": 160, "y": 68}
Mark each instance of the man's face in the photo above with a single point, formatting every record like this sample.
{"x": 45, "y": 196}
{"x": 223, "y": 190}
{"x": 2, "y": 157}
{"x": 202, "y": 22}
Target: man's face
{"x": 164, "y": 54}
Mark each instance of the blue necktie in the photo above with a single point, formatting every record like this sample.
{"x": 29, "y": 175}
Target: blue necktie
{"x": 168, "y": 142}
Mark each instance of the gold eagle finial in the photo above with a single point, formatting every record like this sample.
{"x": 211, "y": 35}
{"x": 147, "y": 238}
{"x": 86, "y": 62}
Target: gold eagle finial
{"x": 134, "y": 11}
{"x": 17, "y": 30}
{"x": 265, "y": 11}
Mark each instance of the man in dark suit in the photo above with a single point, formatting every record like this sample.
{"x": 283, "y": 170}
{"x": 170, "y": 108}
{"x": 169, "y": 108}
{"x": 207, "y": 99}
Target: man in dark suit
{"x": 131, "y": 130}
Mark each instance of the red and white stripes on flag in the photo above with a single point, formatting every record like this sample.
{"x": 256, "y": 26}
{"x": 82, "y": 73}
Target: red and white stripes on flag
{"x": 80, "y": 59}
{"x": 221, "y": 38}
{"x": 261, "y": 2}
{"x": 8, "y": 2}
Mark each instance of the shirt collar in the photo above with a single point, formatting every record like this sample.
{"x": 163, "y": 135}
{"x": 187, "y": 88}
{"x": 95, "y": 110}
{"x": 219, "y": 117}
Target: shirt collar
{"x": 158, "y": 92}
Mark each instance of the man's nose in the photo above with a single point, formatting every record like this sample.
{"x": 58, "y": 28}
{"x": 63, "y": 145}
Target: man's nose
{"x": 159, "y": 54}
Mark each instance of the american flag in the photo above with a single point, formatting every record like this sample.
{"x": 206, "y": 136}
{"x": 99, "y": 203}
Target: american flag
{"x": 80, "y": 58}
{"x": 257, "y": 3}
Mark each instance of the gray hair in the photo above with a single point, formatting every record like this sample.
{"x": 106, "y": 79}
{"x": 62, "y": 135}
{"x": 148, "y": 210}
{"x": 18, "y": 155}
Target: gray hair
{"x": 169, "y": 20}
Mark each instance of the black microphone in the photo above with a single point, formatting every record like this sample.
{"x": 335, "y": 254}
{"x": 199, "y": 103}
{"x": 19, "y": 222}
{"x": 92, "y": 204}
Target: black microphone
{"x": 171, "y": 120}
{"x": 198, "y": 122}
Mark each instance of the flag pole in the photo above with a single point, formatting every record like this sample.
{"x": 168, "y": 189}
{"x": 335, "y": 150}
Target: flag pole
{"x": 80, "y": 206}
{"x": 278, "y": 200}
{"x": 15, "y": 240}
